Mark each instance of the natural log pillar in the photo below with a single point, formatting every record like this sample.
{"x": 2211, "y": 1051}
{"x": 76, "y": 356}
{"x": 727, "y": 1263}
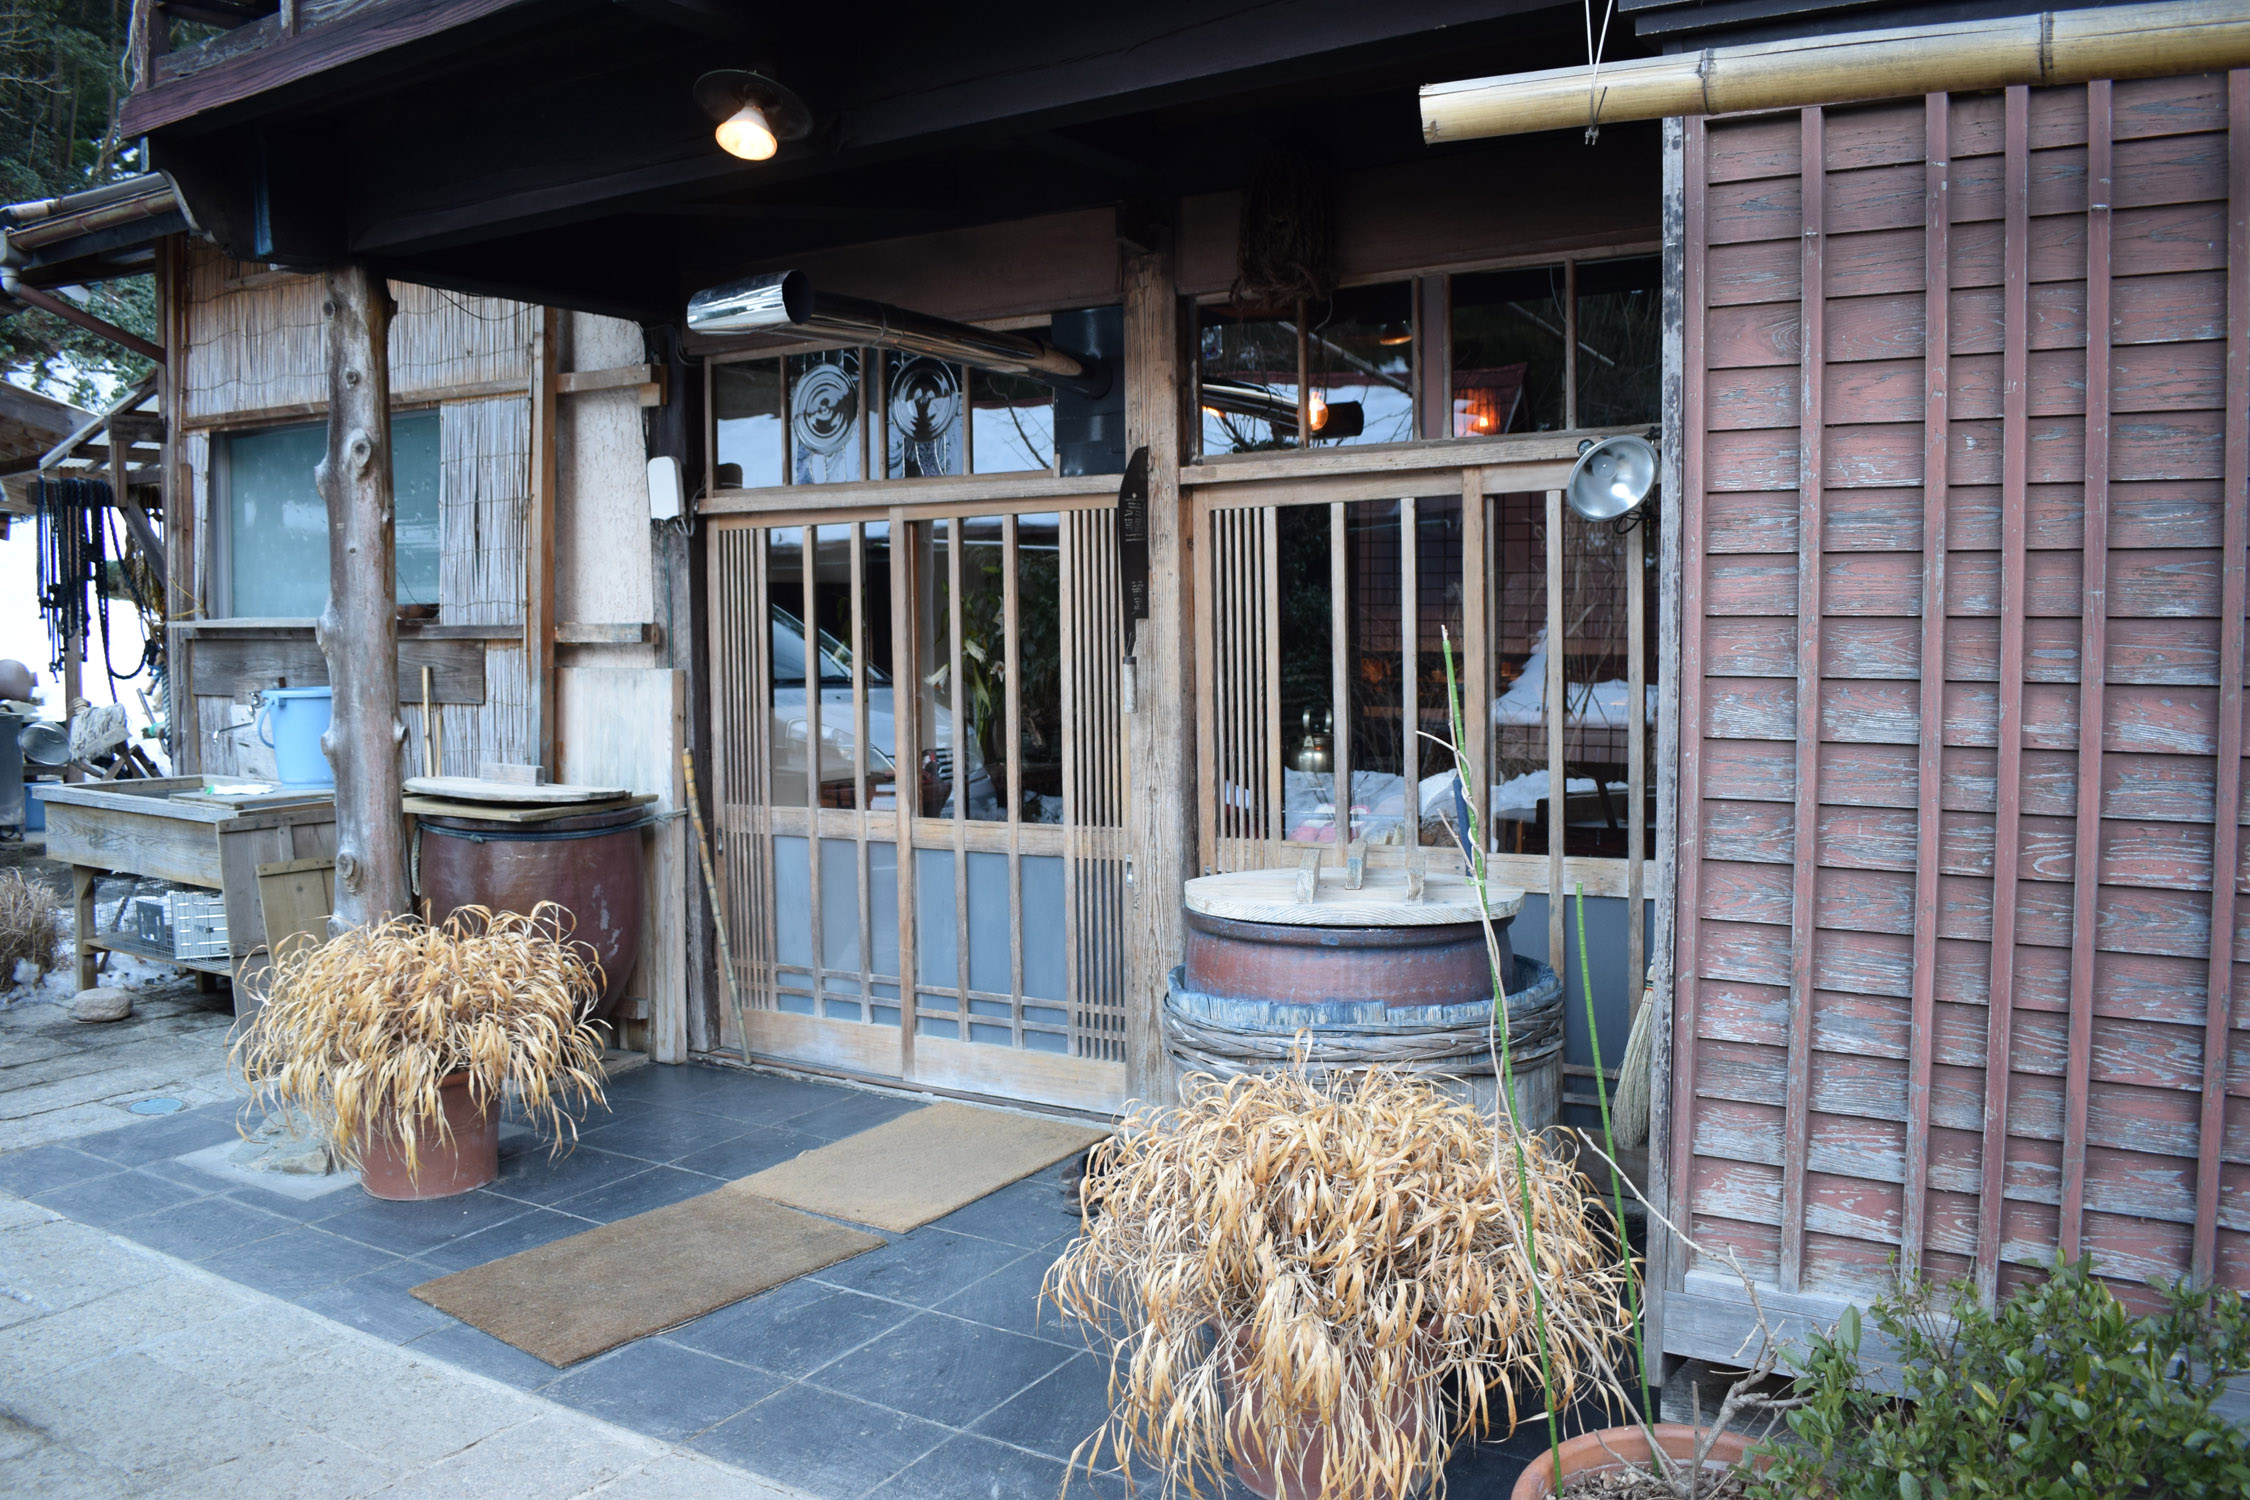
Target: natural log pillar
{"x": 358, "y": 632}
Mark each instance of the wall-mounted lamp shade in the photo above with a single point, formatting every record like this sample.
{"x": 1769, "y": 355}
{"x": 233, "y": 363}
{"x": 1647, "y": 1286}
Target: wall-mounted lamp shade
{"x": 1612, "y": 477}
{"x": 753, "y": 113}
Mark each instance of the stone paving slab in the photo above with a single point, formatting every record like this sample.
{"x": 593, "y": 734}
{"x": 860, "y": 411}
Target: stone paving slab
{"x": 126, "y": 1373}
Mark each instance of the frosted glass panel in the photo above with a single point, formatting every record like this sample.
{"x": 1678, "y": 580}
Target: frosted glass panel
{"x": 989, "y": 968}
{"x": 277, "y": 527}
{"x": 792, "y": 901}
{"x": 839, "y": 904}
{"x": 936, "y": 954}
{"x": 882, "y": 910}
{"x": 1045, "y": 970}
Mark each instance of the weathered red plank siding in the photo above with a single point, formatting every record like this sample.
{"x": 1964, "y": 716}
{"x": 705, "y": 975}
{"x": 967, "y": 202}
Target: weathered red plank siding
{"x": 1967, "y": 457}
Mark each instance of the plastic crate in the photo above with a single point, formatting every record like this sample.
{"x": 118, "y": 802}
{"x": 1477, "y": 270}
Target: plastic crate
{"x": 199, "y": 925}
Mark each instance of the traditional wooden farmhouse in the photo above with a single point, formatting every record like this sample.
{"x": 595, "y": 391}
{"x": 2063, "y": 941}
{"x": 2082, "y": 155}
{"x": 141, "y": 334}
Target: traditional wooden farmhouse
{"x": 1903, "y": 740}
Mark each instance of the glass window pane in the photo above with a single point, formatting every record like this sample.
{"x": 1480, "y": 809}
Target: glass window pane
{"x": 1437, "y": 583}
{"x": 792, "y": 901}
{"x": 1012, "y": 421}
{"x": 1247, "y": 369}
{"x": 1378, "y": 744}
{"x": 1359, "y": 353}
{"x": 1519, "y": 673}
{"x": 746, "y": 414}
{"x": 1508, "y": 351}
{"x": 1039, "y": 735}
{"x": 1308, "y": 681}
{"x": 936, "y": 941}
{"x": 991, "y": 966}
{"x": 882, "y": 912}
{"x": 1045, "y": 968}
{"x": 875, "y": 664}
{"x": 832, "y": 617}
{"x": 1597, "y": 689}
{"x": 839, "y": 904}
{"x": 824, "y": 417}
{"x": 984, "y": 666}
{"x": 923, "y": 401}
{"x": 1620, "y": 340}
{"x": 785, "y": 605}
{"x": 277, "y": 524}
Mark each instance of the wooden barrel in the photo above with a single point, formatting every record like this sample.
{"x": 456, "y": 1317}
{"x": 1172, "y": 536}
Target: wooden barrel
{"x": 1451, "y": 1045}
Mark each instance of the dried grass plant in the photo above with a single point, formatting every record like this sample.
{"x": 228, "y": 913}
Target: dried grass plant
{"x": 360, "y": 1030}
{"x": 1296, "y": 1271}
{"x": 29, "y": 927}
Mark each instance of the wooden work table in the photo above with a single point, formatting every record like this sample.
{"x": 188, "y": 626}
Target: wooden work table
{"x": 148, "y": 828}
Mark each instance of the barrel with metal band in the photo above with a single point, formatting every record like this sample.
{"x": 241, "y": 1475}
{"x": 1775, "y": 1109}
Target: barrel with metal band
{"x": 1378, "y": 974}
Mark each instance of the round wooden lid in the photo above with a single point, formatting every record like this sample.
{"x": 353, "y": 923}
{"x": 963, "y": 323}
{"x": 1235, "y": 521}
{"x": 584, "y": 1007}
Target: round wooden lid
{"x": 1271, "y": 896}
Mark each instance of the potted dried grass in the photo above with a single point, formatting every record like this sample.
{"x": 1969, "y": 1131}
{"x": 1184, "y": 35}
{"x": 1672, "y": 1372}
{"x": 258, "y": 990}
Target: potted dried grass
{"x": 403, "y": 1038}
{"x": 1328, "y": 1283}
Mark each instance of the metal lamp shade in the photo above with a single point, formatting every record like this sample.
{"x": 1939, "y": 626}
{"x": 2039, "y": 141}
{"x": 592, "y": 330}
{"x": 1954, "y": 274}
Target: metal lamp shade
{"x": 1612, "y": 478}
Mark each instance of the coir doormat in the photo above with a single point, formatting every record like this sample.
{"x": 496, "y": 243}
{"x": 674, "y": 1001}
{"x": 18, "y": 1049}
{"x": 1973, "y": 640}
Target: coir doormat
{"x": 572, "y": 1299}
{"x": 921, "y": 1166}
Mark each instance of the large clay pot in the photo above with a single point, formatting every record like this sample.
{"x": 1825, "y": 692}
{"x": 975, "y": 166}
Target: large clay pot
{"x": 1257, "y": 1471}
{"x": 468, "y": 1160}
{"x": 1618, "y": 1447}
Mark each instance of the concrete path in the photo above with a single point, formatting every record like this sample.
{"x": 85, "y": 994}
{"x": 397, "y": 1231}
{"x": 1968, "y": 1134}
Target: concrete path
{"x": 124, "y": 1372}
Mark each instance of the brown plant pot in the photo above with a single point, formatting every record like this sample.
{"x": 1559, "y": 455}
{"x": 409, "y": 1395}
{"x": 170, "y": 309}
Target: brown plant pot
{"x": 468, "y": 1160}
{"x": 1257, "y": 1472}
{"x": 1615, "y": 1448}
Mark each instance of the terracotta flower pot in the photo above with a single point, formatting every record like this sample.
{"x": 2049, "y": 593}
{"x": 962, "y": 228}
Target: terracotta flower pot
{"x": 1257, "y": 1471}
{"x": 470, "y": 1159}
{"x": 1622, "y": 1447}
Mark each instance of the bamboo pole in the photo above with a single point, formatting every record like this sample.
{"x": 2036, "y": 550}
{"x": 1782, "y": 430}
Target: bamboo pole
{"x": 718, "y": 903}
{"x": 2070, "y": 46}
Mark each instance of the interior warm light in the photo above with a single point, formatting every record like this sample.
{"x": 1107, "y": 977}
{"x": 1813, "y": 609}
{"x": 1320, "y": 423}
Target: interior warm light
{"x": 1316, "y": 412}
{"x": 746, "y": 134}
{"x": 1395, "y": 334}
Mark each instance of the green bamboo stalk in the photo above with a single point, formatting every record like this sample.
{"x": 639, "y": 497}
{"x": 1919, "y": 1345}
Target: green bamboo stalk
{"x": 1466, "y": 772}
{"x": 1609, "y": 1145}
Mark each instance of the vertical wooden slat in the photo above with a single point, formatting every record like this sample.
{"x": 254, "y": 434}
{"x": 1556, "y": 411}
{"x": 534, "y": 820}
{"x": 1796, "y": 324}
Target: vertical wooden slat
{"x": 956, "y": 535}
{"x": 1803, "y": 908}
{"x": 855, "y": 537}
{"x": 1472, "y": 654}
{"x": 2093, "y": 671}
{"x": 1339, "y": 637}
{"x": 1011, "y": 607}
{"x": 1206, "y": 547}
{"x": 1277, "y": 824}
{"x": 1937, "y": 233}
{"x": 1558, "y": 800}
{"x": 539, "y": 562}
{"x": 906, "y": 744}
{"x": 2008, "y": 814}
{"x": 2226, "y": 831}
{"x": 1409, "y": 661}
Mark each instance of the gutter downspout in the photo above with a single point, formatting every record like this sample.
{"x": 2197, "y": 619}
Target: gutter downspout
{"x": 2070, "y": 46}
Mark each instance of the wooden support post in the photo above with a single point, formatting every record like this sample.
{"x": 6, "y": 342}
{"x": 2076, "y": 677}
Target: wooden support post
{"x": 358, "y": 632}
{"x": 539, "y": 555}
{"x": 1160, "y": 818}
{"x": 83, "y": 916}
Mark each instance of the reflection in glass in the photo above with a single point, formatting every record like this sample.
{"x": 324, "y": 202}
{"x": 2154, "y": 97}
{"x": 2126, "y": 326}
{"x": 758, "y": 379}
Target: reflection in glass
{"x": 785, "y": 598}
{"x": 1039, "y": 731}
{"x": 1620, "y": 340}
{"x": 824, "y": 417}
{"x": 746, "y": 413}
{"x": 1375, "y": 664}
{"x": 1248, "y": 390}
{"x": 1508, "y": 371}
{"x": 923, "y": 402}
{"x": 1518, "y": 664}
{"x": 1308, "y": 686}
{"x": 1359, "y": 353}
{"x": 984, "y": 663}
{"x": 1012, "y": 423}
{"x": 1597, "y": 688}
{"x": 277, "y": 524}
{"x": 964, "y": 578}
{"x": 1437, "y": 612}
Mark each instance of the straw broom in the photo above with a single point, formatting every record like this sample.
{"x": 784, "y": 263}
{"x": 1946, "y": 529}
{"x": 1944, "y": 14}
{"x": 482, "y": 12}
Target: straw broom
{"x": 1634, "y": 1082}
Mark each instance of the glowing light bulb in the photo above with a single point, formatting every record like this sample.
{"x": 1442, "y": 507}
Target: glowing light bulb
{"x": 746, "y": 134}
{"x": 1316, "y": 412}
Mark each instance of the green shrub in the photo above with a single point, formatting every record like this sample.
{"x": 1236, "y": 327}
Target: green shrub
{"x": 2058, "y": 1392}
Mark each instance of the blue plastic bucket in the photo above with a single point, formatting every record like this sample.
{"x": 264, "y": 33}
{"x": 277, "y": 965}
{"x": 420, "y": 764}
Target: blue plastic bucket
{"x": 292, "y": 720}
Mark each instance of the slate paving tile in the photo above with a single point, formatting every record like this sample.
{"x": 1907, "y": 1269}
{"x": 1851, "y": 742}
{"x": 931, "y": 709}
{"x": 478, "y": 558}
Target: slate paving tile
{"x": 163, "y": 1137}
{"x": 1009, "y": 1299}
{"x": 38, "y": 1168}
{"x": 942, "y": 1369}
{"x": 532, "y": 1176}
{"x": 1057, "y": 1413}
{"x": 109, "y": 1200}
{"x": 822, "y": 1442}
{"x": 765, "y": 1098}
{"x": 412, "y": 1227}
{"x": 297, "y": 1261}
{"x": 858, "y": 1110}
{"x": 303, "y": 1210}
{"x": 473, "y": 1349}
{"x": 1030, "y": 1213}
{"x": 637, "y": 1194}
{"x": 663, "y": 1389}
{"x": 924, "y": 1267}
{"x": 976, "y": 1468}
{"x": 766, "y": 1146}
{"x": 379, "y": 1303}
{"x": 656, "y": 1134}
{"x": 538, "y": 1226}
{"x": 792, "y": 1330}
{"x": 203, "y": 1227}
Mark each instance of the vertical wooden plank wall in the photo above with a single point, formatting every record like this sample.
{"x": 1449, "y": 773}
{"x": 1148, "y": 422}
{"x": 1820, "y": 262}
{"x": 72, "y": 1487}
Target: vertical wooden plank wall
{"x": 1960, "y": 963}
